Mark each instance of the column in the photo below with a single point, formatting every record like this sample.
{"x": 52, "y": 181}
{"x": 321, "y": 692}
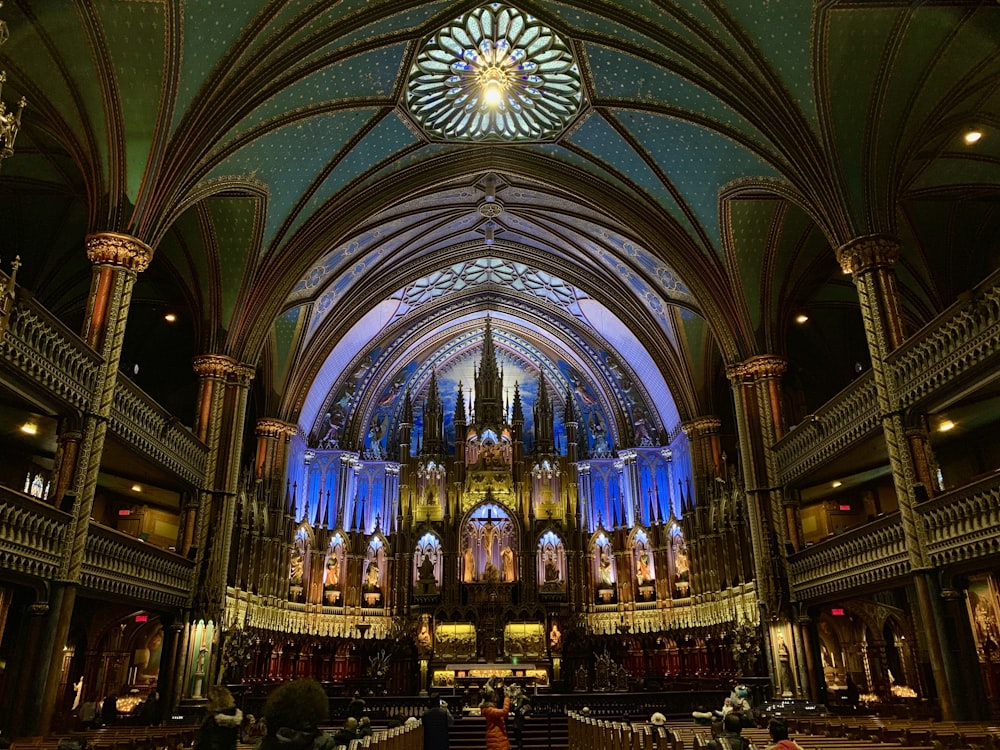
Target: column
{"x": 117, "y": 261}
{"x": 870, "y": 262}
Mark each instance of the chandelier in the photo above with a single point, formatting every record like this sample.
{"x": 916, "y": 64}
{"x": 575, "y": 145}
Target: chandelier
{"x": 10, "y": 122}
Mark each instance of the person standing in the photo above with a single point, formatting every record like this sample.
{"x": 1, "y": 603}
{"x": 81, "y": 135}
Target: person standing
{"x": 221, "y": 727}
{"x": 496, "y": 723}
{"x": 437, "y": 720}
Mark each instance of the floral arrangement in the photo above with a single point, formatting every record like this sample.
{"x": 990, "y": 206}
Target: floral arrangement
{"x": 745, "y": 646}
{"x": 238, "y": 651}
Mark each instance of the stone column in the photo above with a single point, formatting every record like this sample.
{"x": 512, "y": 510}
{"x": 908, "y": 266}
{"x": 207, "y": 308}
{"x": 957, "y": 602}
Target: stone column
{"x": 870, "y": 262}
{"x": 117, "y": 261}
{"x": 65, "y": 462}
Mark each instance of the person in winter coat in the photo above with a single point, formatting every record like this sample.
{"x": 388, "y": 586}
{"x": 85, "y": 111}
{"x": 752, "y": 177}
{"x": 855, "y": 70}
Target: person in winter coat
{"x": 496, "y": 724}
{"x": 730, "y": 738}
{"x": 778, "y": 730}
{"x": 220, "y": 729}
{"x": 293, "y": 714}
{"x": 437, "y": 720}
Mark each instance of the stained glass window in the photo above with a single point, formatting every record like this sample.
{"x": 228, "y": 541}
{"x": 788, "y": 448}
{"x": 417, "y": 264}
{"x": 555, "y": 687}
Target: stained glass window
{"x": 494, "y": 74}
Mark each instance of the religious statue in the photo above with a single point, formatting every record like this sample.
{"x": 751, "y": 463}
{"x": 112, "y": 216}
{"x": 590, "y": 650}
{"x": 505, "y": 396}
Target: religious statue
{"x": 600, "y": 444}
{"x": 507, "y": 563}
{"x": 490, "y": 573}
{"x": 425, "y": 572}
{"x": 785, "y": 674}
{"x": 555, "y": 637}
{"x": 551, "y": 569}
{"x": 424, "y": 638}
{"x": 468, "y": 566}
{"x": 295, "y": 568}
{"x": 605, "y": 578}
{"x": 371, "y": 576}
{"x": 331, "y": 430}
{"x": 332, "y": 575}
{"x": 642, "y": 573}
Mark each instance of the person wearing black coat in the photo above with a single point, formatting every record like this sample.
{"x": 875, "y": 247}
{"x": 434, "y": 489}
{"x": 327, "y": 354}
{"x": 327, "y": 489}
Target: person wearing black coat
{"x": 220, "y": 729}
{"x": 437, "y": 720}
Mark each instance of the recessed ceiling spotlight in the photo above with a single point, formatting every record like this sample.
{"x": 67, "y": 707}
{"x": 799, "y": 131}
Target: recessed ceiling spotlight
{"x": 170, "y": 317}
{"x": 136, "y": 488}
{"x": 945, "y": 424}
{"x": 836, "y": 483}
{"x": 972, "y": 136}
{"x": 29, "y": 428}
{"x": 801, "y": 318}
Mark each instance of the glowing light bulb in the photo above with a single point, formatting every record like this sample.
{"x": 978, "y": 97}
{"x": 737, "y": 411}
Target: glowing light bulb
{"x": 972, "y": 136}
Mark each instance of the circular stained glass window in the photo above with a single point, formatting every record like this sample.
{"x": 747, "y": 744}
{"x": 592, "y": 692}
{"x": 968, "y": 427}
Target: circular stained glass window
{"x": 494, "y": 74}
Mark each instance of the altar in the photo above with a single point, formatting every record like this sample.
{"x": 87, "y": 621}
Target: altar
{"x": 465, "y": 676}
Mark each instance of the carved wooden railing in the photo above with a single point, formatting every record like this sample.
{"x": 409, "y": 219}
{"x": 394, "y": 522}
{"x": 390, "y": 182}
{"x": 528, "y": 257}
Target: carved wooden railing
{"x": 848, "y": 417}
{"x": 873, "y": 553}
{"x": 47, "y": 354}
{"x": 32, "y": 535}
{"x": 963, "y": 524}
{"x": 117, "y": 564}
{"x": 960, "y": 344}
{"x": 154, "y": 432}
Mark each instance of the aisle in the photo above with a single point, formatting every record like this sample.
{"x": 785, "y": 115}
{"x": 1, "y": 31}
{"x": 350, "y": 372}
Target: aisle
{"x": 540, "y": 733}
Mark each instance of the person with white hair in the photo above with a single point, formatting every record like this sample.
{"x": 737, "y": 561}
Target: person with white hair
{"x": 658, "y": 719}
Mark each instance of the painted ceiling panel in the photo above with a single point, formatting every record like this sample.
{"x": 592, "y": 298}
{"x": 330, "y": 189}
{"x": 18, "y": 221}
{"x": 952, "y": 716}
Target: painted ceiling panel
{"x": 751, "y": 226}
{"x": 582, "y": 162}
{"x": 782, "y": 32}
{"x": 385, "y": 139}
{"x": 210, "y": 29}
{"x": 696, "y": 160}
{"x": 285, "y": 337}
{"x": 574, "y": 18}
{"x": 611, "y": 151}
{"x": 233, "y": 222}
{"x": 142, "y": 63}
{"x": 957, "y": 171}
{"x": 371, "y": 75}
{"x": 694, "y": 328}
{"x": 183, "y": 246}
{"x": 621, "y": 76}
{"x": 405, "y": 162}
{"x": 26, "y": 44}
{"x": 387, "y": 22}
{"x": 279, "y": 160}
{"x": 851, "y": 79}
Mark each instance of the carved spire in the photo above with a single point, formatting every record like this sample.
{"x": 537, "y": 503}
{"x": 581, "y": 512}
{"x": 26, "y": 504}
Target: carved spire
{"x": 489, "y": 385}
{"x": 433, "y": 419}
{"x": 544, "y": 424}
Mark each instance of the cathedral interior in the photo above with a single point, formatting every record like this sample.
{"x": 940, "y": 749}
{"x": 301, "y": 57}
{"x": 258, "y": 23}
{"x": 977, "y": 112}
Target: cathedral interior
{"x": 600, "y": 346}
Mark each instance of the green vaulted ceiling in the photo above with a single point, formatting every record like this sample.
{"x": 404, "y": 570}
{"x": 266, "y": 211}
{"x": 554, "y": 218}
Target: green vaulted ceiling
{"x": 665, "y": 208}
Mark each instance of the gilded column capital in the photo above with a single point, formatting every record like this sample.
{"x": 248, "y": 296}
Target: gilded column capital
{"x": 268, "y": 427}
{"x": 214, "y": 366}
{"x": 222, "y": 367}
{"x": 866, "y": 253}
{"x": 761, "y": 366}
{"x": 702, "y": 424}
{"x": 122, "y": 250}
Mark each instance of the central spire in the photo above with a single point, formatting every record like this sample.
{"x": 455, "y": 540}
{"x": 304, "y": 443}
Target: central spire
{"x": 489, "y": 385}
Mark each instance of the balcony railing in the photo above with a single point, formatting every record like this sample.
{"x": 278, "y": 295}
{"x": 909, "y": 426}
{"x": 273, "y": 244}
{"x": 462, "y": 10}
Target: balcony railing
{"x": 32, "y": 535}
{"x": 120, "y": 565}
{"x": 873, "y": 553}
{"x": 964, "y": 524}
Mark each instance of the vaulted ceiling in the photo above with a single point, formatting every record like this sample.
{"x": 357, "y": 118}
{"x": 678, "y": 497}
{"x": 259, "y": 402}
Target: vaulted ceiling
{"x": 676, "y": 219}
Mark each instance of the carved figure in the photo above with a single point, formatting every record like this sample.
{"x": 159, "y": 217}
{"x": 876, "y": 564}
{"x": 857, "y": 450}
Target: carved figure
{"x": 371, "y": 575}
{"x": 425, "y": 573}
{"x": 605, "y": 576}
{"x": 551, "y": 570}
{"x": 332, "y": 575}
{"x": 507, "y": 562}
{"x": 642, "y": 573}
{"x": 468, "y": 566}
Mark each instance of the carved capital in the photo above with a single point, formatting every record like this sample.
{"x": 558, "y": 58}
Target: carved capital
{"x": 706, "y": 425}
{"x": 765, "y": 366}
{"x": 271, "y": 428}
{"x": 37, "y": 609}
{"x": 122, "y": 250}
{"x": 867, "y": 253}
{"x": 222, "y": 367}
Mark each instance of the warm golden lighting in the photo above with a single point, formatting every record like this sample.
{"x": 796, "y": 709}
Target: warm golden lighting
{"x": 493, "y": 80}
{"x": 801, "y": 318}
{"x": 170, "y": 317}
{"x": 29, "y": 428}
{"x": 972, "y": 136}
{"x": 946, "y": 425}
{"x": 136, "y": 488}
{"x": 836, "y": 484}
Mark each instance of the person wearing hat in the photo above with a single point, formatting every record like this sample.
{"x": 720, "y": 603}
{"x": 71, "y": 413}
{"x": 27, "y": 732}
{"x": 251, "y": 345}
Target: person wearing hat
{"x": 221, "y": 726}
{"x": 496, "y": 721}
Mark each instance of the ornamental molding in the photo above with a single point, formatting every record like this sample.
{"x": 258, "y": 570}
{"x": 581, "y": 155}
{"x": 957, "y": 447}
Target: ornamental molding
{"x": 707, "y": 425}
{"x": 759, "y": 367}
{"x": 222, "y": 367}
{"x": 119, "y": 250}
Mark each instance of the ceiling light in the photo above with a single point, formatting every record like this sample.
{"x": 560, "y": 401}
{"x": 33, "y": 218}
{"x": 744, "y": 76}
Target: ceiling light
{"x": 945, "y": 425}
{"x": 801, "y": 318}
{"x": 494, "y": 81}
{"x": 136, "y": 488}
{"x": 836, "y": 484}
{"x": 29, "y": 428}
{"x": 972, "y": 137}
{"x": 170, "y": 317}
